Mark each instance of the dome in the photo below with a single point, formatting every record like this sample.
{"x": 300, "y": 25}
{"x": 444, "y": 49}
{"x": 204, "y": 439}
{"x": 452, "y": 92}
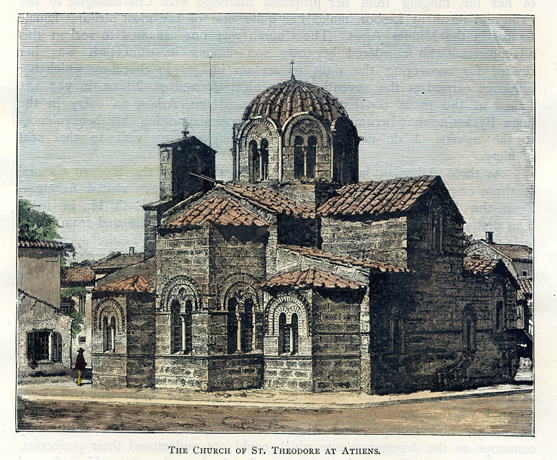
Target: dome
{"x": 282, "y": 100}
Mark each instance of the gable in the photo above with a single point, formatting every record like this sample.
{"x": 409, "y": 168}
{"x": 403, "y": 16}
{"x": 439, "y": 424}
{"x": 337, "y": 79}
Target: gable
{"x": 387, "y": 197}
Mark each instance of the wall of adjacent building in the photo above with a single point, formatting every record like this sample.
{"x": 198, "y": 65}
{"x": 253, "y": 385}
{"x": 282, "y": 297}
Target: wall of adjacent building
{"x": 36, "y": 315}
{"x": 38, "y": 273}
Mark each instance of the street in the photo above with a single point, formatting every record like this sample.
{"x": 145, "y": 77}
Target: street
{"x": 510, "y": 414}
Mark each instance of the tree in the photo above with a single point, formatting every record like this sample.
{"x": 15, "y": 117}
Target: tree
{"x": 35, "y": 224}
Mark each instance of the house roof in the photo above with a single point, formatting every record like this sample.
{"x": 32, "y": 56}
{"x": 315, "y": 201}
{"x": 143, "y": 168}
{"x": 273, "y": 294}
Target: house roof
{"x": 135, "y": 283}
{"x": 477, "y": 266}
{"x": 513, "y": 251}
{"x": 44, "y": 244}
{"x": 312, "y": 278}
{"x": 217, "y": 210}
{"x": 346, "y": 260}
{"x": 78, "y": 275}
{"x": 146, "y": 268}
{"x": 390, "y": 196}
{"x": 117, "y": 260}
{"x": 525, "y": 288}
{"x": 269, "y": 200}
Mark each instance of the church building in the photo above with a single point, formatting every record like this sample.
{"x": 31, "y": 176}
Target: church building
{"x": 296, "y": 276}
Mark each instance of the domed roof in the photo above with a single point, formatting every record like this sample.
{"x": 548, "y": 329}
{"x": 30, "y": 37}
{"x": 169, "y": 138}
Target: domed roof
{"x": 282, "y": 100}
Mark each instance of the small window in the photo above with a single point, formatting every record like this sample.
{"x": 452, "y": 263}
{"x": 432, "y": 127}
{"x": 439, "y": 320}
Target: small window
{"x": 294, "y": 334}
{"x": 524, "y": 273}
{"x": 311, "y": 151}
{"x": 396, "y": 342}
{"x": 264, "y": 159}
{"x": 232, "y": 326}
{"x": 44, "y": 346}
{"x": 298, "y": 157}
{"x": 255, "y": 160}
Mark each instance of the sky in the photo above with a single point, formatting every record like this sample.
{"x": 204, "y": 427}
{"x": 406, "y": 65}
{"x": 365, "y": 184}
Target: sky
{"x": 452, "y": 96}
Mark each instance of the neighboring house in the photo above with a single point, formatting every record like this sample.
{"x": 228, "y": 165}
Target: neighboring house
{"x": 115, "y": 261}
{"x": 296, "y": 276}
{"x": 77, "y": 287}
{"x": 43, "y": 331}
{"x": 517, "y": 257}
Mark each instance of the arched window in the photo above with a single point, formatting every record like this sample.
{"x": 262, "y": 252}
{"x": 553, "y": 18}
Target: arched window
{"x": 247, "y": 335}
{"x": 469, "y": 330}
{"x": 232, "y": 326}
{"x": 298, "y": 157}
{"x": 255, "y": 161}
{"x": 436, "y": 227}
{"x": 396, "y": 337}
{"x": 284, "y": 335}
{"x": 264, "y": 159}
{"x": 109, "y": 333}
{"x": 294, "y": 334}
{"x": 106, "y": 334}
{"x": 175, "y": 327}
{"x": 499, "y": 308}
{"x": 337, "y": 159}
{"x": 311, "y": 150}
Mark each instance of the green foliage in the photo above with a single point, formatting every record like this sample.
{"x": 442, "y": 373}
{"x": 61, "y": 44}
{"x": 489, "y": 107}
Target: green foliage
{"x": 71, "y": 291}
{"x": 77, "y": 321}
{"x": 35, "y": 224}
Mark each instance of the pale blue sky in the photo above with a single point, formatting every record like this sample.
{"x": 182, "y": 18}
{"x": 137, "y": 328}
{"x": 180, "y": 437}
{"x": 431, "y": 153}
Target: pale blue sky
{"x": 430, "y": 95}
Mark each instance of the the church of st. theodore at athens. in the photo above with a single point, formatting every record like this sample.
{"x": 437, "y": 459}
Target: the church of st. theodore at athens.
{"x": 295, "y": 276}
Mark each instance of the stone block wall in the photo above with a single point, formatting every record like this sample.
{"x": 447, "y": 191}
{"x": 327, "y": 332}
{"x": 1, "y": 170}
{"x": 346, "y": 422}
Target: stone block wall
{"x": 336, "y": 340}
{"x": 181, "y": 372}
{"x": 382, "y": 240}
{"x": 433, "y": 352}
{"x": 184, "y": 253}
{"x": 288, "y": 373}
{"x": 235, "y": 371}
{"x": 140, "y": 340}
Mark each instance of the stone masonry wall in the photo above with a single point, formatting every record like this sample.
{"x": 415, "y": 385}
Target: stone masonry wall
{"x": 382, "y": 240}
{"x": 336, "y": 340}
{"x": 288, "y": 373}
{"x": 140, "y": 341}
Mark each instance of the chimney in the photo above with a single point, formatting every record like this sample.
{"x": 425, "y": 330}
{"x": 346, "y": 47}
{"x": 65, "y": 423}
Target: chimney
{"x": 132, "y": 250}
{"x": 489, "y": 237}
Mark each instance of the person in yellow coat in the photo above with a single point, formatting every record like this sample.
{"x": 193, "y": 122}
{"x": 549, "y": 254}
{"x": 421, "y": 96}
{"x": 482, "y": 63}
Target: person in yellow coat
{"x": 80, "y": 365}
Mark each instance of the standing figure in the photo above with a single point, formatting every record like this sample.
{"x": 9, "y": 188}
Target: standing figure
{"x": 80, "y": 365}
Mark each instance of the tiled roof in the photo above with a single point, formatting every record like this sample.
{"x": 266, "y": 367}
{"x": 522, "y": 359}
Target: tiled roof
{"x": 269, "y": 200}
{"x": 378, "y": 197}
{"x": 146, "y": 268}
{"x": 514, "y": 251}
{"x": 480, "y": 266}
{"x": 78, "y": 275}
{"x": 525, "y": 289}
{"x": 23, "y": 243}
{"x": 312, "y": 278}
{"x": 279, "y": 102}
{"x": 217, "y": 210}
{"x": 135, "y": 283}
{"x": 117, "y": 260}
{"x": 346, "y": 260}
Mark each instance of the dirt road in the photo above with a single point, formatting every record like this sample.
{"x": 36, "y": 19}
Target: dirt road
{"x": 495, "y": 414}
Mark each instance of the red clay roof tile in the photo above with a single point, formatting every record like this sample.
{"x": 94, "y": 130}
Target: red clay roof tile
{"x": 216, "y": 210}
{"x": 312, "y": 278}
{"x": 135, "y": 283}
{"x": 378, "y": 197}
{"x": 270, "y": 200}
{"x": 78, "y": 275}
{"x": 480, "y": 266}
